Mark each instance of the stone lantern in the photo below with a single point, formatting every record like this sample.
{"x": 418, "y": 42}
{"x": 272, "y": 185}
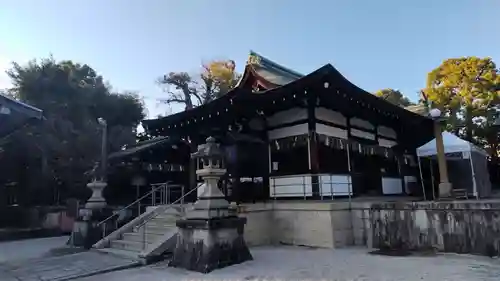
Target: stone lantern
{"x": 97, "y": 202}
{"x": 210, "y": 236}
{"x": 93, "y": 220}
{"x": 211, "y": 201}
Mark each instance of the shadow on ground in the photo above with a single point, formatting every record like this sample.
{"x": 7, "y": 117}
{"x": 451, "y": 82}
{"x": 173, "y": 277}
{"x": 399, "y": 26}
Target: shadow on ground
{"x": 404, "y": 253}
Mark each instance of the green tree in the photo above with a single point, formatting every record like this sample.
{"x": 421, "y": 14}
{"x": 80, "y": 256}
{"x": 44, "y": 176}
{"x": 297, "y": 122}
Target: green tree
{"x": 67, "y": 143}
{"x": 394, "y": 97}
{"x": 215, "y": 79}
{"x": 465, "y": 89}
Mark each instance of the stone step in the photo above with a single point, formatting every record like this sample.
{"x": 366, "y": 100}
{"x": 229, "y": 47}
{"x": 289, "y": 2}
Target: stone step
{"x": 167, "y": 217}
{"x": 128, "y": 245}
{"x": 172, "y": 211}
{"x": 120, "y": 253}
{"x": 156, "y": 224}
{"x": 155, "y": 229}
{"x": 138, "y": 236}
{"x": 168, "y": 221}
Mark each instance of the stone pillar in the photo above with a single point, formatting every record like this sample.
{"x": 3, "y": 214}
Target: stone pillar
{"x": 444, "y": 183}
{"x": 445, "y": 187}
{"x": 211, "y": 235}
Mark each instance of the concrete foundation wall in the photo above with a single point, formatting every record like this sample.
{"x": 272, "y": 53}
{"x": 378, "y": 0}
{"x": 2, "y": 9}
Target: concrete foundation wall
{"x": 303, "y": 224}
{"x": 324, "y": 225}
{"x": 460, "y": 227}
{"x": 259, "y": 223}
{"x": 360, "y": 215}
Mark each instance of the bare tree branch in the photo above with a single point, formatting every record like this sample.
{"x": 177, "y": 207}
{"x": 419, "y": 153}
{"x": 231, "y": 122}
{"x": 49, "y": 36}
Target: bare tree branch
{"x": 216, "y": 79}
{"x": 197, "y": 96}
{"x": 173, "y": 100}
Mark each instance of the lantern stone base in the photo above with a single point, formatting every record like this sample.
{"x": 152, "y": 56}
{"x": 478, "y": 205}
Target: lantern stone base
{"x": 86, "y": 232}
{"x": 209, "y": 208}
{"x": 207, "y": 244}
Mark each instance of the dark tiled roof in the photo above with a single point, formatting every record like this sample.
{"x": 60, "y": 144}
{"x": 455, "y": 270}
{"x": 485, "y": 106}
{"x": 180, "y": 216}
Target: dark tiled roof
{"x": 418, "y": 109}
{"x": 20, "y": 107}
{"x": 271, "y": 71}
{"x": 140, "y": 146}
{"x": 15, "y": 114}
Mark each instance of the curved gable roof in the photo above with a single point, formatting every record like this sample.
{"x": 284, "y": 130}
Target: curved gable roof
{"x": 267, "y": 71}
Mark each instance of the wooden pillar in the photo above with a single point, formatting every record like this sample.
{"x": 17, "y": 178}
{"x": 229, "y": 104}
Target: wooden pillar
{"x": 236, "y": 178}
{"x": 193, "y": 166}
{"x": 349, "y": 154}
{"x": 312, "y": 141}
{"x": 266, "y": 183}
{"x": 400, "y": 161}
{"x": 376, "y": 159}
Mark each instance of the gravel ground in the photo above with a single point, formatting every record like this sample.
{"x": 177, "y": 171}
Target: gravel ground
{"x": 296, "y": 263}
{"x": 293, "y": 263}
{"x": 27, "y": 249}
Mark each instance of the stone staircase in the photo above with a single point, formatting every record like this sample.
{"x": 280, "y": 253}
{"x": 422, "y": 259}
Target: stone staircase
{"x": 148, "y": 237}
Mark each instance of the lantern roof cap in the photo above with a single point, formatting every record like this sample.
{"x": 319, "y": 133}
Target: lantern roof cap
{"x": 211, "y": 149}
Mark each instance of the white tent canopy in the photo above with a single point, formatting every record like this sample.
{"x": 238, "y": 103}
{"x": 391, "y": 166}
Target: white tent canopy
{"x": 477, "y": 157}
{"x": 451, "y": 143}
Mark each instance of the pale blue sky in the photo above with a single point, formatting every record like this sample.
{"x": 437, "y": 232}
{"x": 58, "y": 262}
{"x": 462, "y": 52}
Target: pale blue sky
{"x": 375, "y": 44}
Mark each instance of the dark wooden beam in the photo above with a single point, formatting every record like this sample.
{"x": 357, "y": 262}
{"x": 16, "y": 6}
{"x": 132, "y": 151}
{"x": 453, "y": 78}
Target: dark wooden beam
{"x": 312, "y": 99}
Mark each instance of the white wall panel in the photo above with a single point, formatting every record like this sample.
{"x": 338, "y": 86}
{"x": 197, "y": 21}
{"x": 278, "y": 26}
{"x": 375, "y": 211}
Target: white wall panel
{"x": 295, "y": 130}
{"x": 331, "y": 116}
{"x": 287, "y": 116}
{"x": 335, "y": 185}
{"x": 386, "y": 132}
{"x": 392, "y": 185}
{"x": 362, "y": 134}
{"x": 331, "y": 131}
{"x": 360, "y": 123}
{"x": 290, "y": 186}
{"x": 386, "y": 143}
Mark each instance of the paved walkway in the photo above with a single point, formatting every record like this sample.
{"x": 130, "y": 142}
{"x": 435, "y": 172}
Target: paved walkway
{"x": 63, "y": 267}
{"x": 28, "y": 260}
{"x": 31, "y": 248}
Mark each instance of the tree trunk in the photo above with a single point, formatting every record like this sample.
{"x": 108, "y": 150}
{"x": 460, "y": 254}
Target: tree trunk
{"x": 468, "y": 124}
{"x": 187, "y": 97}
{"x": 453, "y": 120}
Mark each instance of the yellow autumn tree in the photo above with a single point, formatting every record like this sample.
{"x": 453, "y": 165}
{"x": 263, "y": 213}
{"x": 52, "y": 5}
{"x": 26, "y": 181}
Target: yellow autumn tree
{"x": 219, "y": 77}
{"x": 465, "y": 89}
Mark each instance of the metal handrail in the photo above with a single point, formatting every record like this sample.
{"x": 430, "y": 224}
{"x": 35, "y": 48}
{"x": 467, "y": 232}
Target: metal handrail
{"x": 133, "y": 203}
{"x": 167, "y": 207}
{"x": 145, "y": 221}
{"x": 320, "y": 184}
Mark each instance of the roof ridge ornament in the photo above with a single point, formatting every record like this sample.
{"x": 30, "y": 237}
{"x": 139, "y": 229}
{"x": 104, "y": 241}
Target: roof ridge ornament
{"x": 253, "y": 59}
